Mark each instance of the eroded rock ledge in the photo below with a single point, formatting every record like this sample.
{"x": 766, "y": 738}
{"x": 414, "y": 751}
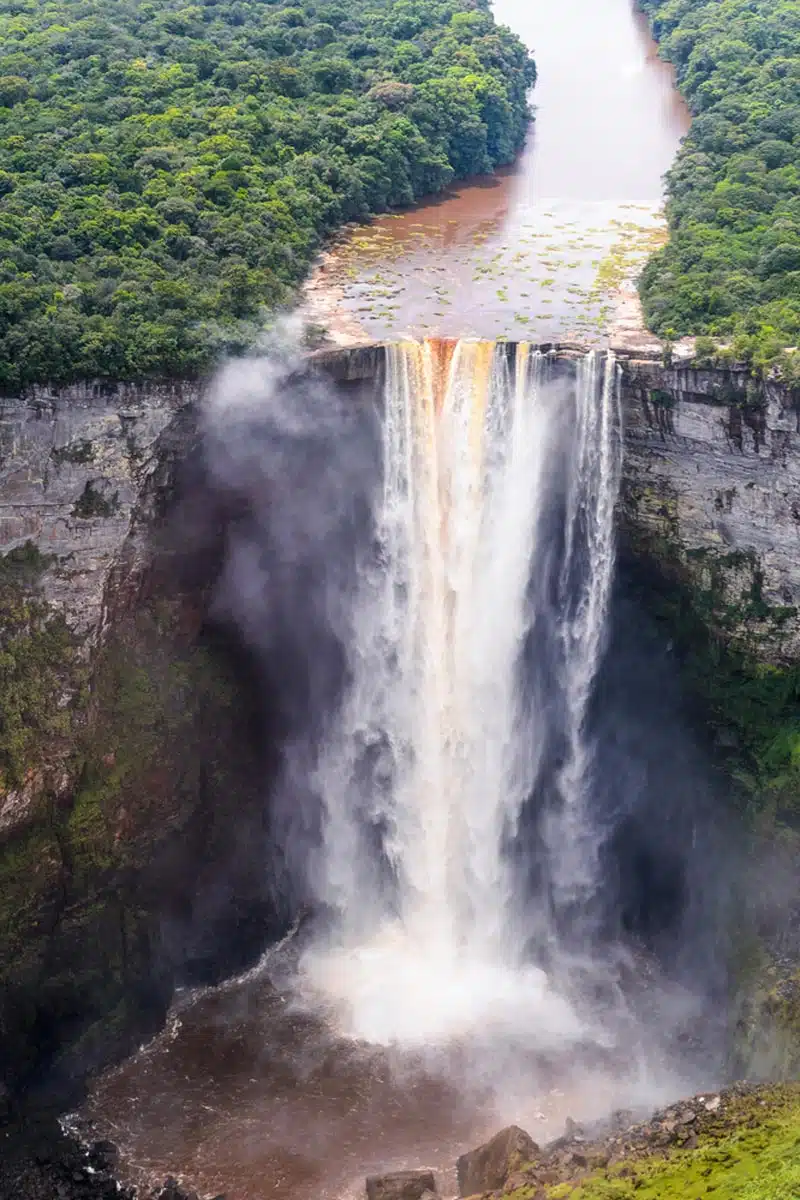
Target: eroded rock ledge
{"x": 711, "y": 484}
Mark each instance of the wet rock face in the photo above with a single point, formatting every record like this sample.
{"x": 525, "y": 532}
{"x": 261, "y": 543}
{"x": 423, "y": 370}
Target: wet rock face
{"x": 491, "y": 1165}
{"x": 401, "y": 1185}
{"x": 711, "y": 494}
{"x": 73, "y": 465}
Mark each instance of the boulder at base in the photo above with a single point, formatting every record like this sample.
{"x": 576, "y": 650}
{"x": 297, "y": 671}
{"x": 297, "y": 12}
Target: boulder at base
{"x": 400, "y": 1185}
{"x": 488, "y": 1167}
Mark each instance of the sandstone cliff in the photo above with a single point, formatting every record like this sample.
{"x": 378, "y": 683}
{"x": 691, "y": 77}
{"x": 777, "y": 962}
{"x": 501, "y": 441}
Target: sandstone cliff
{"x": 711, "y": 491}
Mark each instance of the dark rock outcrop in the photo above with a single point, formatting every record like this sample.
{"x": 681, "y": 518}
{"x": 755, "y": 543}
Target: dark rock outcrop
{"x": 401, "y": 1185}
{"x": 491, "y": 1165}
{"x": 39, "y": 1161}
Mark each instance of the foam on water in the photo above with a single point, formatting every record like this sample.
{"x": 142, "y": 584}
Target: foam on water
{"x": 393, "y": 990}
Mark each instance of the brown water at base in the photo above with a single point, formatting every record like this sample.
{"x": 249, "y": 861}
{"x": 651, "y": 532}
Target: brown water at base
{"x": 245, "y": 1093}
{"x": 542, "y": 249}
{"x": 244, "y": 1096}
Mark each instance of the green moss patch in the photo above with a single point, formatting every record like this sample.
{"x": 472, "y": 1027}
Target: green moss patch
{"x": 30, "y": 873}
{"x": 92, "y": 503}
{"x": 40, "y": 673}
{"x": 727, "y": 639}
{"x": 753, "y": 1153}
{"x": 769, "y": 1025}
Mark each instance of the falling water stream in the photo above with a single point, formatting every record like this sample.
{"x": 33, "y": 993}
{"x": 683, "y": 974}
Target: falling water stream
{"x": 436, "y": 749}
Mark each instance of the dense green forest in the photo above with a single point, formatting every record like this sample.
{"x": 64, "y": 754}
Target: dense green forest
{"x": 732, "y": 265}
{"x": 169, "y": 170}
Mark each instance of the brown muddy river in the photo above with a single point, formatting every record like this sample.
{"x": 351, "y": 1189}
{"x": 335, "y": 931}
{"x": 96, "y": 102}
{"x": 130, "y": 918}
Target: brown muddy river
{"x": 541, "y": 251}
{"x": 248, "y": 1091}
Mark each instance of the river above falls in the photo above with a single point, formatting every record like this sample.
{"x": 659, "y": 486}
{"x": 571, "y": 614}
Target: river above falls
{"x": 545, "y": 249}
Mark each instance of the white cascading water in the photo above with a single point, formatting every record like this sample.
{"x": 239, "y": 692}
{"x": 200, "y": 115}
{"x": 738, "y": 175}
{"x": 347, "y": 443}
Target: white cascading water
{"x": 584, "y": 586}
{"x": 435, "y": 752}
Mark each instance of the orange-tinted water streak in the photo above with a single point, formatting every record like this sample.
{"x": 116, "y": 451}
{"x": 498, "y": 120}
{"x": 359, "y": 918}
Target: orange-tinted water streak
{"x": 441, "y": 351}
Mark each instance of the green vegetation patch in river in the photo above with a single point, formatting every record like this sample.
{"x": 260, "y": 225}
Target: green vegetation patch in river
{"x": 550, "y": 272}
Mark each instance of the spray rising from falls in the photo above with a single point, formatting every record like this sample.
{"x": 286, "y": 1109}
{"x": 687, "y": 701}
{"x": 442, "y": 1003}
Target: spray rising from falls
{"x": 478, "y": 633}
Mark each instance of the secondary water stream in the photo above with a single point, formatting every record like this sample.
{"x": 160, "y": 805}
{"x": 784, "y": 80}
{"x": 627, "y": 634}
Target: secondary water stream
{"x": 542, "y": 250}
{"x": 442, "y": 1004}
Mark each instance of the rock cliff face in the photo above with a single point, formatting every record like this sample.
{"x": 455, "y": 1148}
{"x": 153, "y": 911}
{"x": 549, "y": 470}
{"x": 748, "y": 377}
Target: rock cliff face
{"x": 73, "y": 466}
{"x": 711, "y": 492}
{"x": 120, "y": 743}
{"x": 121, "y": 747}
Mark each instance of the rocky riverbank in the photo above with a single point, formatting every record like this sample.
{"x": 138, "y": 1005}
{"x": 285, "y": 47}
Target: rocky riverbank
{"x": 741, "y": 1142}
{"x": 40, "y": 1161}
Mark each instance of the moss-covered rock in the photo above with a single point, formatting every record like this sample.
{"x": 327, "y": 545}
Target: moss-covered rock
{"x": 768, "y": 1030}
{"x": 743, "y": 1144}
{"x": 748, "y": 711}
{"x": 102, "y": 886}
{"x": 41, "y": 675}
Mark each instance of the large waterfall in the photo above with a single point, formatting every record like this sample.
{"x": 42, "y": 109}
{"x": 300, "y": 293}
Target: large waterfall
{"x": 485, "y": 801}
{"x": 477, "y": 634}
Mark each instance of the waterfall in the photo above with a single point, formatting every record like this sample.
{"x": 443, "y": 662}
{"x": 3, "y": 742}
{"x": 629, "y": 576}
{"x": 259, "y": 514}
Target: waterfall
{"x": 583, "y": 594}
{"x": 492, "y": 554}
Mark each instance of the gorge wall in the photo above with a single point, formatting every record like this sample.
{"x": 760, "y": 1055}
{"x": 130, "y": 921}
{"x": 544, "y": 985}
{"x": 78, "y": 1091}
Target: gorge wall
{"x": 120, "y": 747}
{"x": 123, "y": 756}
{"x": 711, "y": 495}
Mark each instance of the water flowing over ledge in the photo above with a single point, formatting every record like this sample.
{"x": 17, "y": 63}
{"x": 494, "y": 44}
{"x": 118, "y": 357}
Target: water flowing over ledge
{"x": 477, "y": 633}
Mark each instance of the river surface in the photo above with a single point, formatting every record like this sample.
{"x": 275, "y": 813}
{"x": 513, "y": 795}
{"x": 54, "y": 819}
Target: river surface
{"x": 542, "y": 250}
{"x": 249, "y": 1091}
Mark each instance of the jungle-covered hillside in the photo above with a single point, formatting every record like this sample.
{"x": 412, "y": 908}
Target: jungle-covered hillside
{"x": 731, "y": 268}
{"x": 168, "y": 170}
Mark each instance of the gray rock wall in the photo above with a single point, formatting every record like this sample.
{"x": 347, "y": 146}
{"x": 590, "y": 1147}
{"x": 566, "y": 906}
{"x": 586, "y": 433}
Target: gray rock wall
{"x": 712, "y": 485}
{"x": 73, "y": 464}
